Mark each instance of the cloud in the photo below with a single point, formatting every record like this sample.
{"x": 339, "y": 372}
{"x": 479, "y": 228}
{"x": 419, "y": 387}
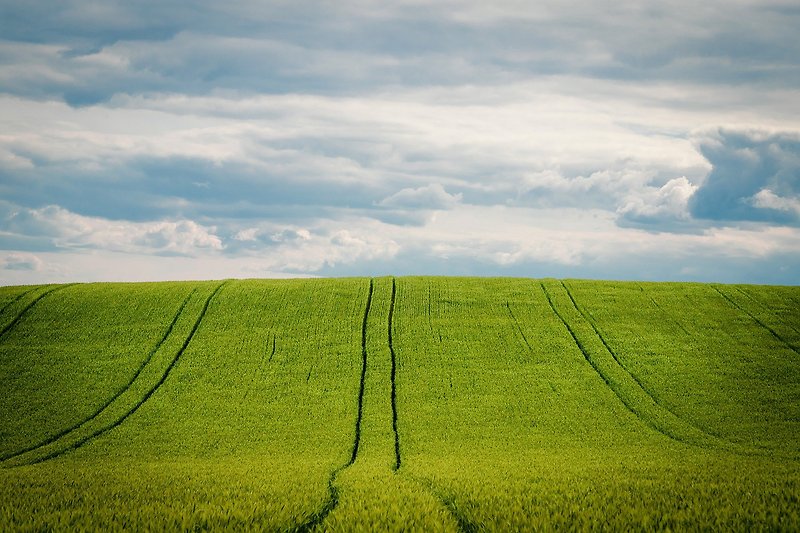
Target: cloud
{"x": 766, "y": 199}
{"x": 61, "y": 228}
{"x": 267, "y": 235}
{"x": 458, "y": 136}
{"x": 17, "y": 261}
{"x": 755, "y": 176}
{"x": 661, "y": 207}
{"x": 416, "y": 206}
{"x": 432, "y": 196}
{"x": 362, "y": 46}
{"x": 327, "y": 250}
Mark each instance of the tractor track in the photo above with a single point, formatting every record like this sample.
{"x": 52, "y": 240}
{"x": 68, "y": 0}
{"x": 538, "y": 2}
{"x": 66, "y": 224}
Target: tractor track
{"x": 464, "y": 525}
{"x": 605, "y": 344}
{"x": 258, "y": 373}
{"x": 605, "y": 379}
{"x": 663, "y": 312}
{"x": 333, "y": 493}
{"x": 766, "y": 308}
{"x": 28, "y": 307}
{"x": 116, "y": 395}
{"x": 18, "y": 298}
{"x": 147, "y": 395}
{"x": 394, "y": 382}
{"x": 633, "y": 376}
{"x": 519, "y": 328}
{"x": 756, "y": 320}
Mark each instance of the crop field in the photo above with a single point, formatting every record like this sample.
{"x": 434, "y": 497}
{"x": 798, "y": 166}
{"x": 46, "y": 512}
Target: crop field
{"x": 411, "y": 403}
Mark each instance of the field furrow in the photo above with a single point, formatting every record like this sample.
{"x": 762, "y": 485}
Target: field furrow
{"x": 373, "y": 492}
{"x": 650, "y": 393}
{"x": 393, "y": 378}
{"x": 518, "y": 327}
{"x": 789, "y": 338}
{"x": 624, "y": 384}
{"x": 121, "y": 405}
{"x": 780, "y": 302}
{"x": 12, "y": 295}
{"x": 317, "y": 519}
{"x": 710, "y": 363}
{"x": 64, "y": 432}
{"x": 27, "y": 306}
{"x": 400, "y": 404}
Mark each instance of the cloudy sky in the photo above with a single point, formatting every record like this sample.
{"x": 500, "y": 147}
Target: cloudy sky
{"x": 619, "y": 140}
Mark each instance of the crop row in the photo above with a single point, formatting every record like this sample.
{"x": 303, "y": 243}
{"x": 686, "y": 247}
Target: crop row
{"x": 409, "y": 403}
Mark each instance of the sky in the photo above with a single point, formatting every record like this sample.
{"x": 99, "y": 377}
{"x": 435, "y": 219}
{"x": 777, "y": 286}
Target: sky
{"x": 165, "y": 139}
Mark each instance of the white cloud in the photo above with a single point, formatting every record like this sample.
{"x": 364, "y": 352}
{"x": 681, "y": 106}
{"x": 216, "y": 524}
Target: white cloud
{"x": 69, "y": 230}
{"x": 765, "y": 198}
{"x": 432, "y": 196}
{"x": 657, "y": 205}
{"x": 327, "y": 250}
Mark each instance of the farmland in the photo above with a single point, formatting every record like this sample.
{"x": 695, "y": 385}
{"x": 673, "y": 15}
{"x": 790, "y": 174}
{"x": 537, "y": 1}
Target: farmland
{"x": 452, "y": 404}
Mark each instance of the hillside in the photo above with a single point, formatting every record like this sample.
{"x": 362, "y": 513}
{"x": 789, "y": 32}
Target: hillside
{"x": 415, "y": 403}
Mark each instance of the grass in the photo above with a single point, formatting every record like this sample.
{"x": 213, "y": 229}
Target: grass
{"x": 439, "y": 404}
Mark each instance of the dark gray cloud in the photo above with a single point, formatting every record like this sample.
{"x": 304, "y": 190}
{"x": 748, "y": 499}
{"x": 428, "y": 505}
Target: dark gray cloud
{"x": 146, "y": 188}
{"x": 85, "y": 51}
{"x": 755, "y": 176}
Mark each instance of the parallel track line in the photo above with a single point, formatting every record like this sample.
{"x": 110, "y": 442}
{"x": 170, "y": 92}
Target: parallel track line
{"x": 321, "y": 514}
{"x": 147, "y": 395}
{"x": 116, "y": 395}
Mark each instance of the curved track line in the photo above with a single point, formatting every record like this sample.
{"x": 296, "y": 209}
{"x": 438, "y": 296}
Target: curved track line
{"x": 464, "y": 525}
{"x": 633, "y": 376}
{"x": 363, "y": 374}
{"x": 116, "y": 395}
{"x": 258, "y": 373}
{"x": 146, "y": 397}
{"x": 605, "y": 344}
{"x": 333, "y": 493}
{"x": 394, "y": 383}
{"x": 36, "y": 300}
{"x": 19, "y": 297}
{"x": 519, "y": 328}
{"x": 593, "y": 364}
{"x": 663, "y": 312}
{"x": 766, "y": 308}
{"x": 274, "y": 344}
{"x": 756, "y": 319}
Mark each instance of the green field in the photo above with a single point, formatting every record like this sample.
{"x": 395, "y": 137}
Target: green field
{"x": 452, "y": 404}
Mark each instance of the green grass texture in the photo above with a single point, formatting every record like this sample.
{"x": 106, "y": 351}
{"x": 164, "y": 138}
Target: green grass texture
{"x": 399, "y": 404}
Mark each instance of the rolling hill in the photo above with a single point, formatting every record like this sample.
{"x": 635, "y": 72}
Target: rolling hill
{"x": 415, "y": 403}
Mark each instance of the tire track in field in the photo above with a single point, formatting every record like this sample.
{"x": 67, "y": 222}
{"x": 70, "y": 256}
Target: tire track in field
{"x": 615, "y": 389}
{"x": 116, "y": 395}
{"x": 519, "y": 328}
{"x": 258, "y": 373}
{"x": 18, "y": 298}
{"x": 766, "y": 308}
{"x": 394, "y": 381}
{"x": 756, "y": 320}
{"x": 320, "y": 515}
{"x": 84, "y": 440}
{"x": 633, "y": 376}
{"x": 605, "y": 344}
{"x": 464, "y": 525}
{"x": 663, "y": 312}
{"x": 28, "y": 307}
